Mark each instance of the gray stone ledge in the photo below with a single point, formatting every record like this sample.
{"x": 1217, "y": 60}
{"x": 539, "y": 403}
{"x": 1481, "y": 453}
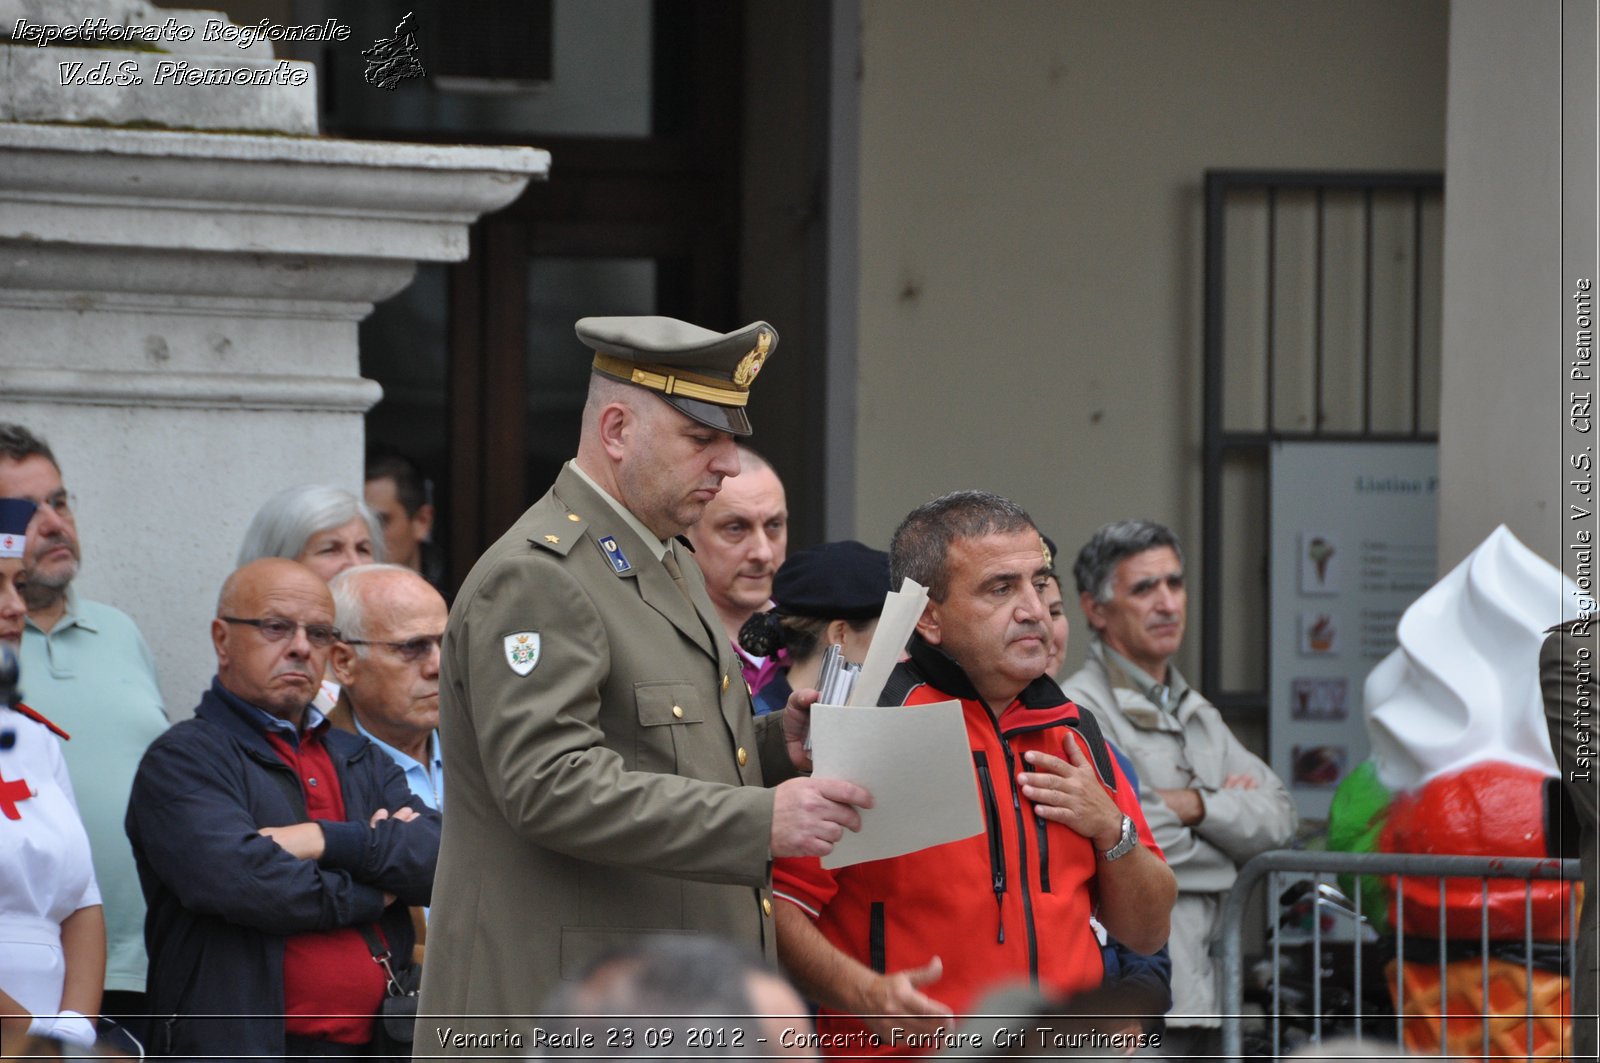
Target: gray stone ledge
{"x": 518, "y": 162}
{"x": 209, "y": 391}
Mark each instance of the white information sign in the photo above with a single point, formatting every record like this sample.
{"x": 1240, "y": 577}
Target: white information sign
{"x": 1353, "y": 543}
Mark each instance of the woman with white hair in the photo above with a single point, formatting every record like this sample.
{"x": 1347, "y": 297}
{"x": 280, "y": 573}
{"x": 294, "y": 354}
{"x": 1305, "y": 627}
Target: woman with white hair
{"x": 325, "y": 528}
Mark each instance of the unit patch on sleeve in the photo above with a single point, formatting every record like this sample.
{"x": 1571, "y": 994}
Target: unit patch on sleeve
{"x": 522, "y": 651}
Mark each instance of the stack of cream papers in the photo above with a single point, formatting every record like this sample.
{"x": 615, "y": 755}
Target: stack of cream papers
{"x": 915, "y": 760}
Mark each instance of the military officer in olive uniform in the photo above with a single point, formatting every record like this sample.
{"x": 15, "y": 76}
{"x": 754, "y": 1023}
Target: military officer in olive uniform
{"x": 607, "y": 778}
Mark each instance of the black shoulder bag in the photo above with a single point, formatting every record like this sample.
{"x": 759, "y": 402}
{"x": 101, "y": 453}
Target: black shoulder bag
{"x": 396, "y": 1021}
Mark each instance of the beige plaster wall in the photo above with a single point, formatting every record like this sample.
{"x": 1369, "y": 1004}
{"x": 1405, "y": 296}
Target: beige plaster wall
{"x": 1031, "y": 228}
{"x": 1518, "y": 183}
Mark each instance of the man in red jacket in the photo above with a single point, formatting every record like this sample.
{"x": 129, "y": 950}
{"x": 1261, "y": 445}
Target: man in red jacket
{"x": 892, "y": 949}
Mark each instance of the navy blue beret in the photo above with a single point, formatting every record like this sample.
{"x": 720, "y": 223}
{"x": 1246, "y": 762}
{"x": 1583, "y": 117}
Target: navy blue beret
{"x": 845, "y": 580}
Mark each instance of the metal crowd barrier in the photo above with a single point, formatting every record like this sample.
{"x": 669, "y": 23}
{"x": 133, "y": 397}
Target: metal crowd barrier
{"x": 1282, "y": 868}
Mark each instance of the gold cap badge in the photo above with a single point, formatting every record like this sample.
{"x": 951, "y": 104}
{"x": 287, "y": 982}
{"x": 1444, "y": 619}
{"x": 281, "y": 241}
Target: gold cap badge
{"x": 745, "y": 372}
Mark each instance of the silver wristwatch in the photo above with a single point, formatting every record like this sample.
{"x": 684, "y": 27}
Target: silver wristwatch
{"x": 1130, "y": 838}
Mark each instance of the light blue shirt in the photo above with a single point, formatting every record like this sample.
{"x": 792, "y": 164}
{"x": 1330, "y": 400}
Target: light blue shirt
{"x": 92, "y": 675}
{"x": 426, "y": 785}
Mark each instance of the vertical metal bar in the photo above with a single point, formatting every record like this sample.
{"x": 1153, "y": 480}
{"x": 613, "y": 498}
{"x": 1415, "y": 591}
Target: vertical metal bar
{"x": 1400, "y": 959}
{"x": 1366, "y": 320}
{"x": 1316, "y": 347}
{"x": 1360, "y": 1024}
{"x": 1444, "y": 980}
{"x": 1212, "y": 430}
{"x": 1275, "y": 888}
{"x": 1483, "y": 948}
{"x": 1271, "y": 305}
{"x": 1527, "y": 961}
{"x": 1416, "y": 312}
{"x": 1316, "y": 956}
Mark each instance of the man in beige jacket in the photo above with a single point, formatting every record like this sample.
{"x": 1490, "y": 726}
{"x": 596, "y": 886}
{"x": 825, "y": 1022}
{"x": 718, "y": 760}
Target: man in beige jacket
{"x": 1210, "y": 802}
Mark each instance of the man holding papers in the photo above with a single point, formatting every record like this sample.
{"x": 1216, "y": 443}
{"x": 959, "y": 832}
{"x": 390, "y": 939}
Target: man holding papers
{"x": 608, "y": 783}
{"x": 891, "y": 949}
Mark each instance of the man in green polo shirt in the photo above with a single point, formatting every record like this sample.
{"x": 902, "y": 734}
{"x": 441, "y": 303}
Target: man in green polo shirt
{"x": 90, "y": 671}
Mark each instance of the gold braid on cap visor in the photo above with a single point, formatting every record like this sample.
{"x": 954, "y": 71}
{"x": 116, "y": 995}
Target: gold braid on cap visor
{"x": 670, "y": 381}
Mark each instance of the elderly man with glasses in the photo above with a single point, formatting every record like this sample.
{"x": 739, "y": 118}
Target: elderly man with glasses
{"x": 391, "y": 623}
{"x": 278, "y": 854}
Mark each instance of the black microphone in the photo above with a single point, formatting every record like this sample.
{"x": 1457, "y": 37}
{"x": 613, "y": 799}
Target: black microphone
{"x": 10, "y": 669}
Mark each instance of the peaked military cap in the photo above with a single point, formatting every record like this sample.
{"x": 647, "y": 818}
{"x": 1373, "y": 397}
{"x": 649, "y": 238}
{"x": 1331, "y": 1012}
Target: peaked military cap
{"x": 705, "y": 375}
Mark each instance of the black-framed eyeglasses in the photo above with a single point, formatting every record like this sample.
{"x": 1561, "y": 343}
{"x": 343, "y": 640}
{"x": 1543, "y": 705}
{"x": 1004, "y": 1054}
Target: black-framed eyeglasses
{"x": 411, "y": 650}
{"x": 277, "y": 628}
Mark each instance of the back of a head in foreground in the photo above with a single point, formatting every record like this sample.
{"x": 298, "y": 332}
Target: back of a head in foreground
{"x": 678, "y": 995}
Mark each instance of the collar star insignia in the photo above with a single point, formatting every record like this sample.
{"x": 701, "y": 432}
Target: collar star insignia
{"x": 553, "y": 539}
{"x": 745, "y": 373}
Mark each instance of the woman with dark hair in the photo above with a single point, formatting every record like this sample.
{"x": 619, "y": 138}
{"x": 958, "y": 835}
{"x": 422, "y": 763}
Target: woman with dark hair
{"x": 828, "y": 595}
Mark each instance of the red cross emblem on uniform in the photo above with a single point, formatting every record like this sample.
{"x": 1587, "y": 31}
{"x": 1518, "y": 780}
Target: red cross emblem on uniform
{"x": 12, "y": 793}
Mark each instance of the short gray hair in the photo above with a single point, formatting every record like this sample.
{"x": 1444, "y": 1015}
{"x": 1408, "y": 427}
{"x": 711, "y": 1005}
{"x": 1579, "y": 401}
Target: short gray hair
{"x": 920, "y": 549}
{"x": 349, "y": 607}
{"x": 1098, "y": 560}
{"x": 287, "y": 521}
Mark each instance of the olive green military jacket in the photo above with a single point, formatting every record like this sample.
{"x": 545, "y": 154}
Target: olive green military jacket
{"x": 606, "y": 774}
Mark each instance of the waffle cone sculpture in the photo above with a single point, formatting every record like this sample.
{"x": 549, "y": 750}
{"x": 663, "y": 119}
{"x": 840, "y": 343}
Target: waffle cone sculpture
{"x": 1462, "y": 1015}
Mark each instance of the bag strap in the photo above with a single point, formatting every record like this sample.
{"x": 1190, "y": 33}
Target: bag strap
{"x": 380, "y": 956}
{"x": 1089, "y": 727}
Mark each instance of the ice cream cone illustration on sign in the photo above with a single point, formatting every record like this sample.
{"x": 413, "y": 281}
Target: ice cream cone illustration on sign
{"x": 1319, "y": 563}
{"x": 1321, "y": 552}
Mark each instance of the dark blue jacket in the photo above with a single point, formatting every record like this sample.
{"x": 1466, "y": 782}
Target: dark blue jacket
{"x": 222, "y": 898}
{"x": 1150, "y": 976}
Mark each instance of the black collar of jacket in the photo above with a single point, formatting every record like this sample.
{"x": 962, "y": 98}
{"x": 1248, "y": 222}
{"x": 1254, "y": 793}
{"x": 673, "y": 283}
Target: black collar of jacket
{"x": 225, "y": 709}
{"x": 942, "y": 672}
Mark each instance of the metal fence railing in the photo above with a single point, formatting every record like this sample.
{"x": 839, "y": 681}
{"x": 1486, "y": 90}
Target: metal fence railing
{"x": 1333, "y": 993}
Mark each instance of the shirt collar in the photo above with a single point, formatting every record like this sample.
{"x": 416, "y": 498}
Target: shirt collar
{"x": 648, "y": 537}
{"x": 314, "y": 721}
{"x": 1165, "y": 696}
{"x": 70, "y": 618}
{"x": 405, "y": 760}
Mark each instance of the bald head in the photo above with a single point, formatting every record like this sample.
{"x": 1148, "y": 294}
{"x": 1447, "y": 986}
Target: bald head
{"x": 391, "y": 622}
{"x": 742, "y": 540}
{"x": 277, "y": 675}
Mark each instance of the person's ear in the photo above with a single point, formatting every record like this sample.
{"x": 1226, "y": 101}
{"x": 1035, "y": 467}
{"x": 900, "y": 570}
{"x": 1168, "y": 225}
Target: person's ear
{"x": 1093, "y": 611}
{"x": 342, "y": 659}
{"x": 834, "y": 633}
{"x": 219, "y": 641}
{"x": 928, "y": 625}
{"x": 615, "y": 425}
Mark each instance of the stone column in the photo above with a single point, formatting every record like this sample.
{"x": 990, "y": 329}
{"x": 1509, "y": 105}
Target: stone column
{"x": 179, "y": 308}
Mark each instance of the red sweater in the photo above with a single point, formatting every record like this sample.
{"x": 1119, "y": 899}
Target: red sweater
{"x": 331, "y": 985}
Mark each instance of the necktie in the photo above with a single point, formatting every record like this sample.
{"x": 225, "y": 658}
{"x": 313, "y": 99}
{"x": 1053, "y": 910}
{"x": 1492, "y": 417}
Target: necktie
{"x": 669, "y": 560}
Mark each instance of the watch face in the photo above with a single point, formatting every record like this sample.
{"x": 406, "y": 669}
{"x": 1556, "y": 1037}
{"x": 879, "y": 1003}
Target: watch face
{"x": 1129, "y": 838}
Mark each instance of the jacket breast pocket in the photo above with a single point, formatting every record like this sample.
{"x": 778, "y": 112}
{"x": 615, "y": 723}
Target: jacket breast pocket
{"x": 666, "y": 711}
